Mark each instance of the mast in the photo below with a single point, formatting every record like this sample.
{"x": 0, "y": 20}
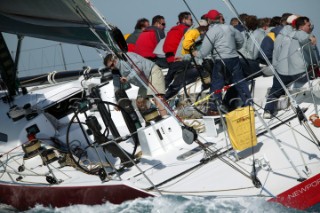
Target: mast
{"x": 8, "y": 68}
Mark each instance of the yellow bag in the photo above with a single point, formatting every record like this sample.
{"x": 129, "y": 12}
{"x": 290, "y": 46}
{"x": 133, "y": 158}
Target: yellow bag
{"x": 241, "y": 128}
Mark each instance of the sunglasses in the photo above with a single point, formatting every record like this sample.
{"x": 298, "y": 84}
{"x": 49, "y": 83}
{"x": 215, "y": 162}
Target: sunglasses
{"x": 163, "y": 24}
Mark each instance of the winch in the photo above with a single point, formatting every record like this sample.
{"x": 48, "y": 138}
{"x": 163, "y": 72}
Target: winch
{"x": 151, "y": 114}
{"x": 31, "y": 148}
{"x": 48, "y": 156}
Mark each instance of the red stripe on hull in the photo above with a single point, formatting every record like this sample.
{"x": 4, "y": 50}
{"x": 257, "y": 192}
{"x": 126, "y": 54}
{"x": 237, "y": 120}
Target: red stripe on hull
{"x": 302, "y": 196}
{"x": 25, "y": 197}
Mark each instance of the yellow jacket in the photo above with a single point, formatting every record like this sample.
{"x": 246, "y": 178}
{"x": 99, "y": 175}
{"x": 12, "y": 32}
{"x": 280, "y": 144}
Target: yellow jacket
{"x": 126, "y": 36}
{"x": 189, "y": 38}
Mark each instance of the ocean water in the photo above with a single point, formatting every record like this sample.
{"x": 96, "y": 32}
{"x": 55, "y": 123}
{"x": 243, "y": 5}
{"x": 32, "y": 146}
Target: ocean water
{"x": 172, "y": 204}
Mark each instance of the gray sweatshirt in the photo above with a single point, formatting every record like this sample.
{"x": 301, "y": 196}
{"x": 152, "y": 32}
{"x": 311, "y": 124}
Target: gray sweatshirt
{"x": 224, "y": 38}
{"x": 278, "y": 43}
{"x": 253, "y": 50}
{"x": 127, "y": 69}
{"x": 244, "y": 49}
{"x": 296, "y": 53}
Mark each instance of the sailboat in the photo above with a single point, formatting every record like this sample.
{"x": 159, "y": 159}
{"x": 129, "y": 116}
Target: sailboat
{"x": 64, "y": 141}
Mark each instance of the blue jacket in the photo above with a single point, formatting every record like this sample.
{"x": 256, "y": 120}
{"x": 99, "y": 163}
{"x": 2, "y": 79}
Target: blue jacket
{"x": 240, "y": 27}
{"x": 267, "y": 43}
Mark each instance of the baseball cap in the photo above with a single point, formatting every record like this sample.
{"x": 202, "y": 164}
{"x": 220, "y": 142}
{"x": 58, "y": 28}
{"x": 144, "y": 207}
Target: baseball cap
{"x": 291, "y": 18}
{"x": 203, "y": 22}
{"x": 213, "y": 14}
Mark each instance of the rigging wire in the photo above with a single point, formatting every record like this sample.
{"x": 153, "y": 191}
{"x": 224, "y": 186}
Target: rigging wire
{"x": 63, "y": 58}
{"x": 302, "y": 76}
{"x": 54, "y": 66}
{"x": 295, "y": 107}
{"x": 246, "y": 79}
{"x": 212, "y": 45}
{"x": 293, "y": 102}
{"x": 308, "y": 78}
{"x": 285, "y": 123}
{"x": 82, "y": 59}
{"x": 253, "y": 176}
{"x": 298, "y": 147}
{"x": 37, "y": 48}
{"x": 255, "y": 179}
{"x": 144, "y": 82}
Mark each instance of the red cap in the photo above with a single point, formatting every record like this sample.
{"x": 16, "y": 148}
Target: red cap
{"x": 213, "y": 14}
{"x": 294, "y": 23}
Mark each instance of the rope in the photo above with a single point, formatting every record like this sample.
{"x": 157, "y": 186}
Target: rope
{"x": 49, "y": 78}
{"x": 197, "y": 125}
{"x": 30, "y": 80}
{"x": 52, "y": 77}
{"x": 146, "y": 83}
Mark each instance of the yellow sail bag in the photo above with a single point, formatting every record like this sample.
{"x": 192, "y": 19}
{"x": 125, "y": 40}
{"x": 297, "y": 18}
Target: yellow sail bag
{"x": 241, "y": 128}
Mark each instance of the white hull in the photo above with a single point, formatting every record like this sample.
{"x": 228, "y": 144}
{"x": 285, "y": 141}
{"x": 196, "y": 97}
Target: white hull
{"x": 165, "y": 167}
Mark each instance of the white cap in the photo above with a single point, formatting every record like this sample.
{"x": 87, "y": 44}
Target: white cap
{"x": 203, "y": 22}
{"x": 291, "y": 18}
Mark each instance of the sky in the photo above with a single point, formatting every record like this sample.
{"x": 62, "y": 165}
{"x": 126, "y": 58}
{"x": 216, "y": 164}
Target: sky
{"x": 124, "y": 13}
{"x": 40, "y": 56}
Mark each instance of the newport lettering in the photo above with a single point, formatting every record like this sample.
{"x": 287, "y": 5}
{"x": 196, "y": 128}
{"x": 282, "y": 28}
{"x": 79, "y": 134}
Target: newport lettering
{"x": 304, "y": 189}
